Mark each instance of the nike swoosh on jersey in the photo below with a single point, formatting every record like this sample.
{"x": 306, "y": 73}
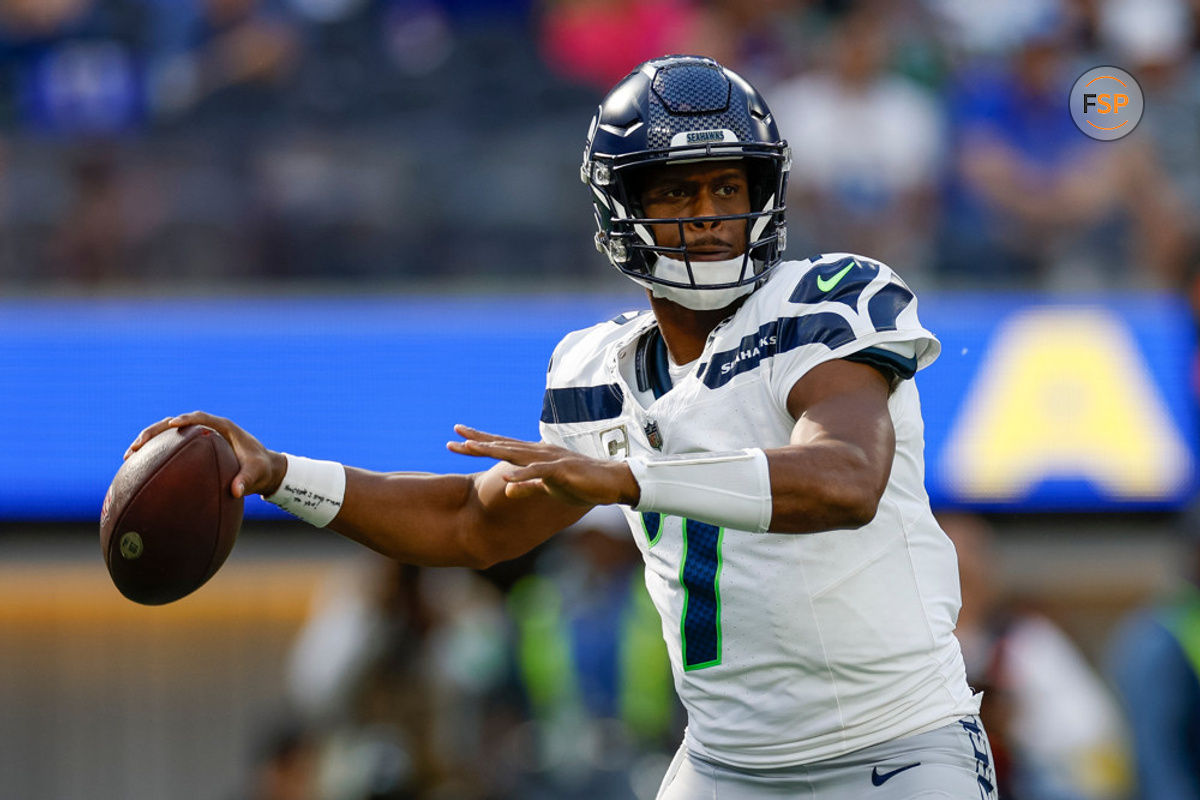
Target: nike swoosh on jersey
{"x": 879, "y": 778}
{"x": 825, "y": 284}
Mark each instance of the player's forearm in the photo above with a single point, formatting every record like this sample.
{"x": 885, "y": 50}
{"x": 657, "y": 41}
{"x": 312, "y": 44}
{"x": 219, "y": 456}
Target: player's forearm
{"x": 818, "y": 486}
{"x": 825, "y": 486}
{"x": 417, "y": 518}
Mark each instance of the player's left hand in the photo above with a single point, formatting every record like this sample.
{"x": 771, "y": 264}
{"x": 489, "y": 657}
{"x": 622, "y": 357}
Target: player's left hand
{"x": 547, "y": 469}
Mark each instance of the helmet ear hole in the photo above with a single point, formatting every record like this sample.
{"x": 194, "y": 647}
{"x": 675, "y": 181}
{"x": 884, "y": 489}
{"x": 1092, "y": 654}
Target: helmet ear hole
{"x": 762, "y": 185}
{"x": 634, "y": 180}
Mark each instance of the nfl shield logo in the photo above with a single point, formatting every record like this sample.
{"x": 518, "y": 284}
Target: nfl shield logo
{"x": 653, "y": 436}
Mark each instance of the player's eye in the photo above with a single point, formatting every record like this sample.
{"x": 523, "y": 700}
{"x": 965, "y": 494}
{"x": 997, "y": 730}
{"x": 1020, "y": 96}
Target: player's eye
{"x": 667, "y": 196}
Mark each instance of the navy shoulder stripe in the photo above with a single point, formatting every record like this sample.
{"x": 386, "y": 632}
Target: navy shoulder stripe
{"x": 582, "y": 403}
{"x": 777, "y": 336}
{"x": 885, "y": 307}
{"x": 842, "y": 280}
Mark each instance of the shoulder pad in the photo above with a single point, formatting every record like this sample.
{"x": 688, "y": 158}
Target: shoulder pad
{"x": 842, "y": 278}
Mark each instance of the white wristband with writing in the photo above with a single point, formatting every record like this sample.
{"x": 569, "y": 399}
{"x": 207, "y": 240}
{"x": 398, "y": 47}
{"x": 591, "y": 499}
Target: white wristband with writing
{"x": 730, "y": 489}
{"x": 311, "y": 490}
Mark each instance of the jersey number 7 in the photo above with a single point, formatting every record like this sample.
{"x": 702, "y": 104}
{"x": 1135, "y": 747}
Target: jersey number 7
{"x": 700, "y": 576}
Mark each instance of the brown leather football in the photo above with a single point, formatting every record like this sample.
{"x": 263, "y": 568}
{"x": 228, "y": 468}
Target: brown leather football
{"x": 169, "y": 519}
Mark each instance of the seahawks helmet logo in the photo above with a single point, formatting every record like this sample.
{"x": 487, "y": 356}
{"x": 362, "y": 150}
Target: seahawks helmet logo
{"x": 703, "y": 137}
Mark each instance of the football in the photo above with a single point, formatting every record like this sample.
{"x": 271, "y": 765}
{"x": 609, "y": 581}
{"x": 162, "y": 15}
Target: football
{"x": 169, "y": 519}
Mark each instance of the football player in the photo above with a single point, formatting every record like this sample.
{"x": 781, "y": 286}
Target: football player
{"x": 760, "y": 429}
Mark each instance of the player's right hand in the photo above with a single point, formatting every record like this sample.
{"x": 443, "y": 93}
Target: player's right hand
{"x": 261, "y": 471}
{"x": 544, "y": 468}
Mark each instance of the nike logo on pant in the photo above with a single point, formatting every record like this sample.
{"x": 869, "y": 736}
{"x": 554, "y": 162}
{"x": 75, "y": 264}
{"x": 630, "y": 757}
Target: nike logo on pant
{"x": 879, "y": 778}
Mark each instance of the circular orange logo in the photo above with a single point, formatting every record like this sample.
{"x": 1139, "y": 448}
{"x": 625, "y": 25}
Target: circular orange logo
{"x": 1106, "y": 103}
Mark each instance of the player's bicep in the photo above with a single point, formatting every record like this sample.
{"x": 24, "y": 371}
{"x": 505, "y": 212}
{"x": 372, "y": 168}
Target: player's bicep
{"x": 834, "y": 471}
{"x": 847, "y": 402}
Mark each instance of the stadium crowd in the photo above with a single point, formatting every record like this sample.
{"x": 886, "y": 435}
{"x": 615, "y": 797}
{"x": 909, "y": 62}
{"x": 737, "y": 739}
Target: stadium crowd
{"x": 173, "y": 145}
{"x": 217, "y": 142}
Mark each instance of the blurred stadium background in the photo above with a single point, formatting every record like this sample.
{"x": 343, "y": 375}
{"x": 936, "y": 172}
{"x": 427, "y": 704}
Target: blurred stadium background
{"x": 348, "y": 224}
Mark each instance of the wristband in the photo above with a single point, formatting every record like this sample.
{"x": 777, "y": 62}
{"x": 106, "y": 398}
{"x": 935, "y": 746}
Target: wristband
{"x": 311, "y": 490}
{"x": 731, "y": 489}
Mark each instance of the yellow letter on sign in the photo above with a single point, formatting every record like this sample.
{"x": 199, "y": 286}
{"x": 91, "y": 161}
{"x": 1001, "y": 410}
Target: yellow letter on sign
{"x": 1064, "y": 394}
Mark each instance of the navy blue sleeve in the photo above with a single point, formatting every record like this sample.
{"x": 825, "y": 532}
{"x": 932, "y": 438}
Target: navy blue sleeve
{"x": 894, "y": 366}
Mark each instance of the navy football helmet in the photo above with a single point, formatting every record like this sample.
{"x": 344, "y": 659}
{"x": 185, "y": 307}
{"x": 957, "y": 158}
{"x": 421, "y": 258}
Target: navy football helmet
{"x": 684, "y": 108}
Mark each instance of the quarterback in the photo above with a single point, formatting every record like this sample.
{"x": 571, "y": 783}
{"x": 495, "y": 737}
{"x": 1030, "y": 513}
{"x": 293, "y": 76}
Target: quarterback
{"x": 759, "y": 427}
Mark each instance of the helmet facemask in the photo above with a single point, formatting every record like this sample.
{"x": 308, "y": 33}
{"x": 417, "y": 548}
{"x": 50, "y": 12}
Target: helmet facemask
{"x": 626, "y": 235}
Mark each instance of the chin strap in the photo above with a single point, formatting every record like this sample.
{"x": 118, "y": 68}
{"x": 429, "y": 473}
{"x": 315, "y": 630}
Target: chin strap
{"x": 699, "y": 299}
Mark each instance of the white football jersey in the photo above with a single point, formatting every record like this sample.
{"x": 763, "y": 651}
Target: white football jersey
{"x": 786, "y": 648}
